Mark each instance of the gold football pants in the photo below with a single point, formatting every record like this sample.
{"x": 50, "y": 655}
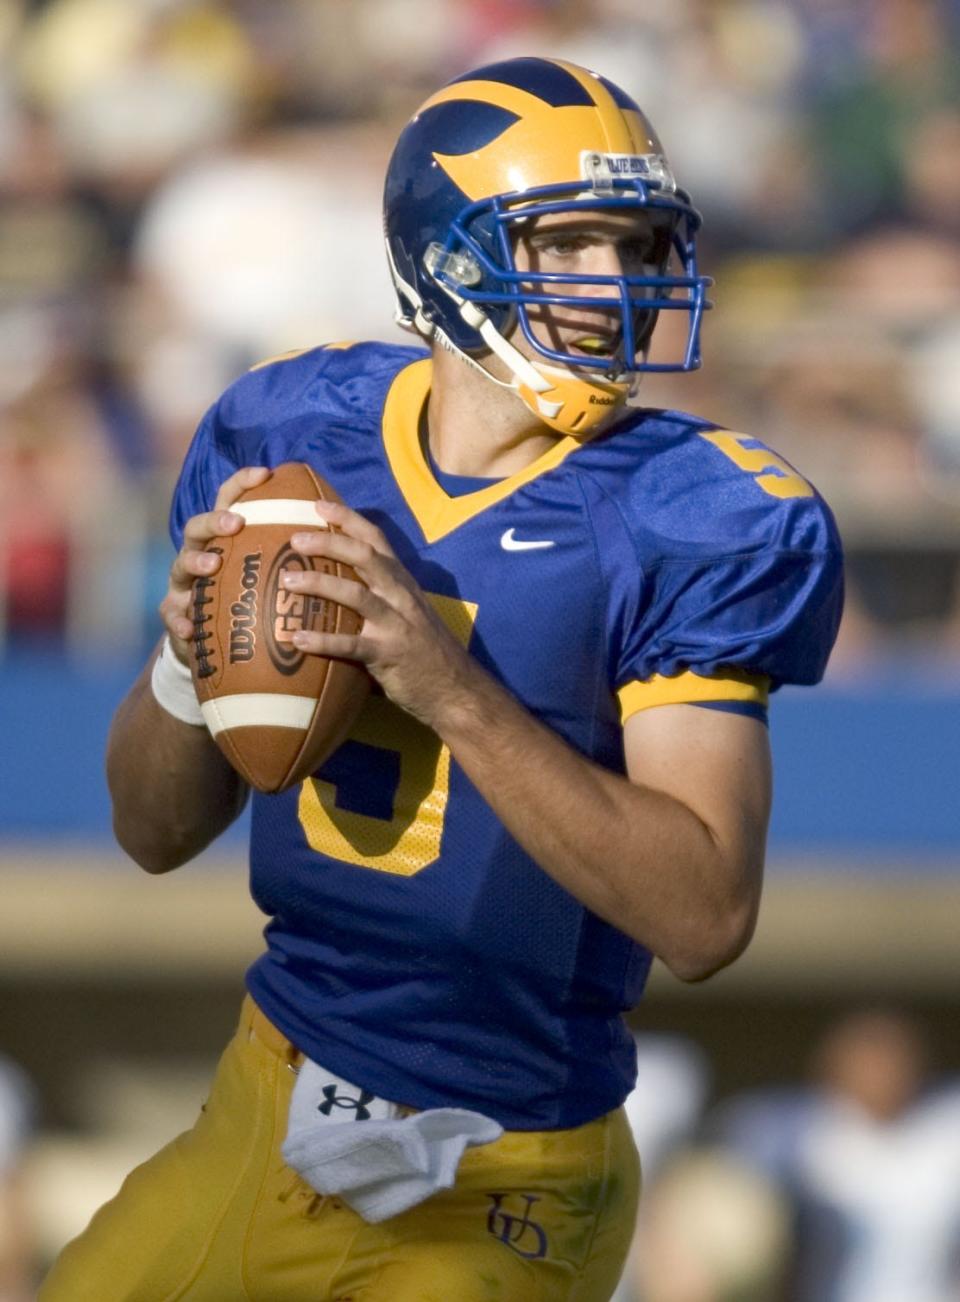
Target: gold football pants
{"x": 217, "y": 1216}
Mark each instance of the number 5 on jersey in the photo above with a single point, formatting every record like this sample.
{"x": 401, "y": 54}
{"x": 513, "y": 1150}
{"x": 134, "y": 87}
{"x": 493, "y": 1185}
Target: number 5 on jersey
{"x": 776, "y": 476}
{"x": 380, "y": 801}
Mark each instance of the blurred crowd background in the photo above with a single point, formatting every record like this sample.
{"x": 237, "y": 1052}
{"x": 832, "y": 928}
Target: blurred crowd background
{"x": 190, "y": 186}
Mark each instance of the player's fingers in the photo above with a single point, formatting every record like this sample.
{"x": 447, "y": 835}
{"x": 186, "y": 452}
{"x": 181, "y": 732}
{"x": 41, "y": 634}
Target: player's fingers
{"x": 202, "y": 529}
{"x": 242, "y": 479}
{"x": 174, "y": 613}
{"x": 345, "y": 592}
{"x": 334, "y": 546}
{"x": 377, "y": 569}
{"x": 193, "y": 561}
{"x": 354, "y": 525}
{"x": 189, "y": 565}
{"x": 340, "y": 646}
{"x": 221, "y": 522}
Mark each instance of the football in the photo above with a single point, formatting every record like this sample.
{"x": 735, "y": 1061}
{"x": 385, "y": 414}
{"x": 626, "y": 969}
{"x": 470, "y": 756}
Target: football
{"x": 275, "y": 712}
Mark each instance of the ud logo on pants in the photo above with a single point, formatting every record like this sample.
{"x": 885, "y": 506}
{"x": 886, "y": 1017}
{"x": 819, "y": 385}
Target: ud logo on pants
{"x": 521, "y": 1233}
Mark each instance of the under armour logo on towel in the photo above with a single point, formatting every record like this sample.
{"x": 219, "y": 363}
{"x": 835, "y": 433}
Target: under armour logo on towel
{"x": 335, "y": 1100}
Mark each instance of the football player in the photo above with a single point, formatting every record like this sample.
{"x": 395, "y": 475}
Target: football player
{"x": 575, "y": 609}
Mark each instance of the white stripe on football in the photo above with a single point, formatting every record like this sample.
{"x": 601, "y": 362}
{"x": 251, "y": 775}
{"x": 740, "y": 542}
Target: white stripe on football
{"x": 258, "y": 710}
{"x": 279, "y": 510}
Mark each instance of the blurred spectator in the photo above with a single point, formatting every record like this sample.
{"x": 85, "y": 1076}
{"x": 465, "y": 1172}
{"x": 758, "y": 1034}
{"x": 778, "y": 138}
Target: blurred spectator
{"x": 133, "y": 88}
{"x": 864, "y": 129}
{"x": 664, "y": 1110}
{"x": 64, "y": 502}
{"x": 869, "y": 1155}
{"x": 935, "y": 388}
{"x": 259, "y": 250}
{"x": 626, "y": 45}
{"x": 931, "y": 172}
{"x": 246, "y": 254}
{"x": 666, "y": 1104}
{"x": 833, "y": 40}
{"x": 17, "y": 1248}
{"x": 712, "y": 1229}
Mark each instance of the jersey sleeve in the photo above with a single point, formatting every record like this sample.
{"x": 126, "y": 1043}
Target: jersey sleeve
{"x": 724, "y": 629}
{"x": 205, "y": 467}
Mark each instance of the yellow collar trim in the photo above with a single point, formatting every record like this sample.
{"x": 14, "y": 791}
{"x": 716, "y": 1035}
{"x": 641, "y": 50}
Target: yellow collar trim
{"x": 435, "y": 512}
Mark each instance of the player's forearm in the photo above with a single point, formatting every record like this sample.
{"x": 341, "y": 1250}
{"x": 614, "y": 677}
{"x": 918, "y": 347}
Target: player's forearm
{"x": 173, "y": 791}
{"x": 640, "y": 859}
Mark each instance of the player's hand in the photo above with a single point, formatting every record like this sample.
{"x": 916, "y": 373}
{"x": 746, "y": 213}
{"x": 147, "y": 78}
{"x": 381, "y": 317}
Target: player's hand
{"x": 192, "y": 562}
{"x": 402, "y": 642}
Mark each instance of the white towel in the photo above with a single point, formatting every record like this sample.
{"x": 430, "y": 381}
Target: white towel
{"x": 380, "y": 1163}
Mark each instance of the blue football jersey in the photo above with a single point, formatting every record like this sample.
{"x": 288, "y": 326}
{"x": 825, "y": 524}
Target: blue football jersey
{"x": 412, "y": 946}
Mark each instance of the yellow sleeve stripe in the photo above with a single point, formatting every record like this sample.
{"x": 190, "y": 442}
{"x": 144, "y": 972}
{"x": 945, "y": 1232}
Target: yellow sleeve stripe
{"x": 688, "y": 688}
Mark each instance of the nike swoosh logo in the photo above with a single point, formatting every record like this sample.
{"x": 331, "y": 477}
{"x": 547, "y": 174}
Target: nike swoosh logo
{"x": 511, "y": 544}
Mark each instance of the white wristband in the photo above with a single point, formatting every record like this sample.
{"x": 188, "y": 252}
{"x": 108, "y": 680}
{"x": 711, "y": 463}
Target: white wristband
{"x": 172, "y": 684}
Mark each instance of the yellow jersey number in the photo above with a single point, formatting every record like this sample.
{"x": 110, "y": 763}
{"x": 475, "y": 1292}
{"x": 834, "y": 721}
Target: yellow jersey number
{"x": 410, "y": 838}
{"x": 770, "y": 472}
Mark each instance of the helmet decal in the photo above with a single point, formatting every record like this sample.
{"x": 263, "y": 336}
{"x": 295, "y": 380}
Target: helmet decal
{"x": 535, "y": 149}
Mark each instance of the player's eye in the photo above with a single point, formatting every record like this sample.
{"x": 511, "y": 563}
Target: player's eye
{"x": 559, "y": 244}
{"x": 563, "y": 246}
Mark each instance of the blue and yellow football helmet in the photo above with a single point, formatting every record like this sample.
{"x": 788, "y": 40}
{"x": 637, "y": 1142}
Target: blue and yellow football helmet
{"x": 521, "y": 138}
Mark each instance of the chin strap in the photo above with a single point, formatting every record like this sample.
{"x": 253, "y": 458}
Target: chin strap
{"x": 567, "y": 402}
{"x": 571, "y": 404}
